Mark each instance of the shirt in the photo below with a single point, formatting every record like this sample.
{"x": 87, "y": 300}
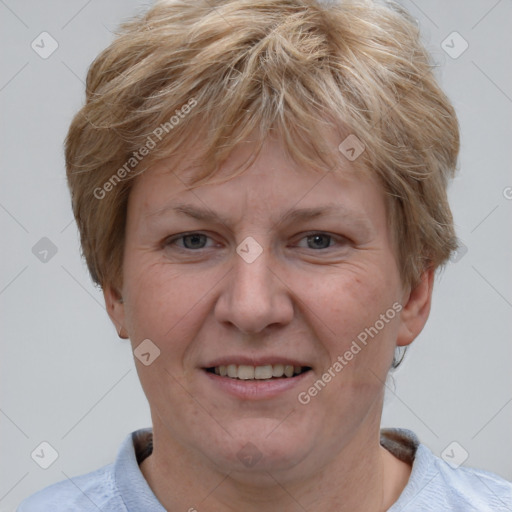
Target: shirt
{"x": 433, "y": 486}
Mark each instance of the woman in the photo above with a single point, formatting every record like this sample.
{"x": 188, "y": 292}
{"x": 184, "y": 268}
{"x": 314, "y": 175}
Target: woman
{"x": 260, "y": 188}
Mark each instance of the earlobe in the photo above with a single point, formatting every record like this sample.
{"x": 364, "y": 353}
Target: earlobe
{"x": 115, "y": 309}
{"x": 416, "y": 310}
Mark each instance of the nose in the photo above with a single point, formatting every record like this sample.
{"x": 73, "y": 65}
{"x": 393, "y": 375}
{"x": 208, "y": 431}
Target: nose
{"x": 255, "y": 296}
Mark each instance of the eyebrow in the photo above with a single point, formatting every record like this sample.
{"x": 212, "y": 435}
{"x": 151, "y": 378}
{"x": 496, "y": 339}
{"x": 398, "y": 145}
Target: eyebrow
{"x": 290, "y": 216}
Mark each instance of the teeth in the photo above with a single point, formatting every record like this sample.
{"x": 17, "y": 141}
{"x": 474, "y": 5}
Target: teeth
{"x": 248, "y": 372}
{"x": 263, "y": 372}
{"x": 288, "y": 370}
{"x": 277, "y": 370}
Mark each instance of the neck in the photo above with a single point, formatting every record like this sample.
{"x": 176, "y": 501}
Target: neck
{"x": 361, "y": 476}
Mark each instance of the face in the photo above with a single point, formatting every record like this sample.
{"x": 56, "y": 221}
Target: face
{"x": 294, "y": 269}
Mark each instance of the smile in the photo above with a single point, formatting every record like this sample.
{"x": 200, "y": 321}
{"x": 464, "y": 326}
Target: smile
{"x": 264, "y": 372}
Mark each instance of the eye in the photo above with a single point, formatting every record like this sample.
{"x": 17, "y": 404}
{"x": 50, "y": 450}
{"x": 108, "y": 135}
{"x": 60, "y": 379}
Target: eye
{"x": 320, "y": 240}
{"x": 191, "y": 241}
{"x": 196, "y": 241}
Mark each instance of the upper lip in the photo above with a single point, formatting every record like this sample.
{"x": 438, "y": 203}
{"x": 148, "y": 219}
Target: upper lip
{"x": 255, "y": 361}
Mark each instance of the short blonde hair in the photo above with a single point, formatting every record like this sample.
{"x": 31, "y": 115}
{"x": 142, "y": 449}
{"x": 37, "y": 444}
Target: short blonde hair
{"x": 213, "y": 73}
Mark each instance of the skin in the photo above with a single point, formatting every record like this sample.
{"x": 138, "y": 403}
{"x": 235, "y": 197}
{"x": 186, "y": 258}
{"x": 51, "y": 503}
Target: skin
{"x": 305, "y": 298}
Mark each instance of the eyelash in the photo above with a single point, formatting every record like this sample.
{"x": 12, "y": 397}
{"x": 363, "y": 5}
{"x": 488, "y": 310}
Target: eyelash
{"x": 170, "y": 241}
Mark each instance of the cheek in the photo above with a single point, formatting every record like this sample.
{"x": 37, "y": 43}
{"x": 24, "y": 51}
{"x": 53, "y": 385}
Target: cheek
{"x": 162, "y": 300}
{"x": 353, "y": 299}
{"x": 356, "y": 319}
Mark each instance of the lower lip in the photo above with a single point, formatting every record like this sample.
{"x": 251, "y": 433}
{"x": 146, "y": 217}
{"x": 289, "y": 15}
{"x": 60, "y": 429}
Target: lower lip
{"x": 256, "y": 389}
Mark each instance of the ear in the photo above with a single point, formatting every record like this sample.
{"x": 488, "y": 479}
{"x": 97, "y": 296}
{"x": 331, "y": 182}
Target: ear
{"x": 416, "y": 309}
{"x": 115, "y": 310}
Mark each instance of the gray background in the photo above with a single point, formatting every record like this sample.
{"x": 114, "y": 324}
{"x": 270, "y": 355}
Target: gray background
{"x": 68, "y": 380}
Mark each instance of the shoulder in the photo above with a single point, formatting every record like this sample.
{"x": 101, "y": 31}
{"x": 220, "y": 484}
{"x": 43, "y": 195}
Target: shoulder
{"x": 107, "y": 488}
{"x": 90, "y": 492}
{"x": 435, "y": 484}
{"x": 470, "y": 488}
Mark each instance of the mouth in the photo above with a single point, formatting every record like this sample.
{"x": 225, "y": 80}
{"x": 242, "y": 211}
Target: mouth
{"x": 263, "y": 372}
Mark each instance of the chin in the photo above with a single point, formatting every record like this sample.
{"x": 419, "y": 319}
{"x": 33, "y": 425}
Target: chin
{"x": 263, "y": 445}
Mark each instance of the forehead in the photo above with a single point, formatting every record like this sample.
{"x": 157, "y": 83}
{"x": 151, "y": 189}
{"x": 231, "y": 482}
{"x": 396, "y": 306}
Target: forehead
{"x": 273, "y": 187}
{"x": 275, "y": 161}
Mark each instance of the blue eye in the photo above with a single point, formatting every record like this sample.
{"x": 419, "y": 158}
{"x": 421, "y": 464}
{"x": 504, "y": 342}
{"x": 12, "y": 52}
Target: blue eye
{"x": 318, "y": 238}
{"x": 196, "y": 241}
